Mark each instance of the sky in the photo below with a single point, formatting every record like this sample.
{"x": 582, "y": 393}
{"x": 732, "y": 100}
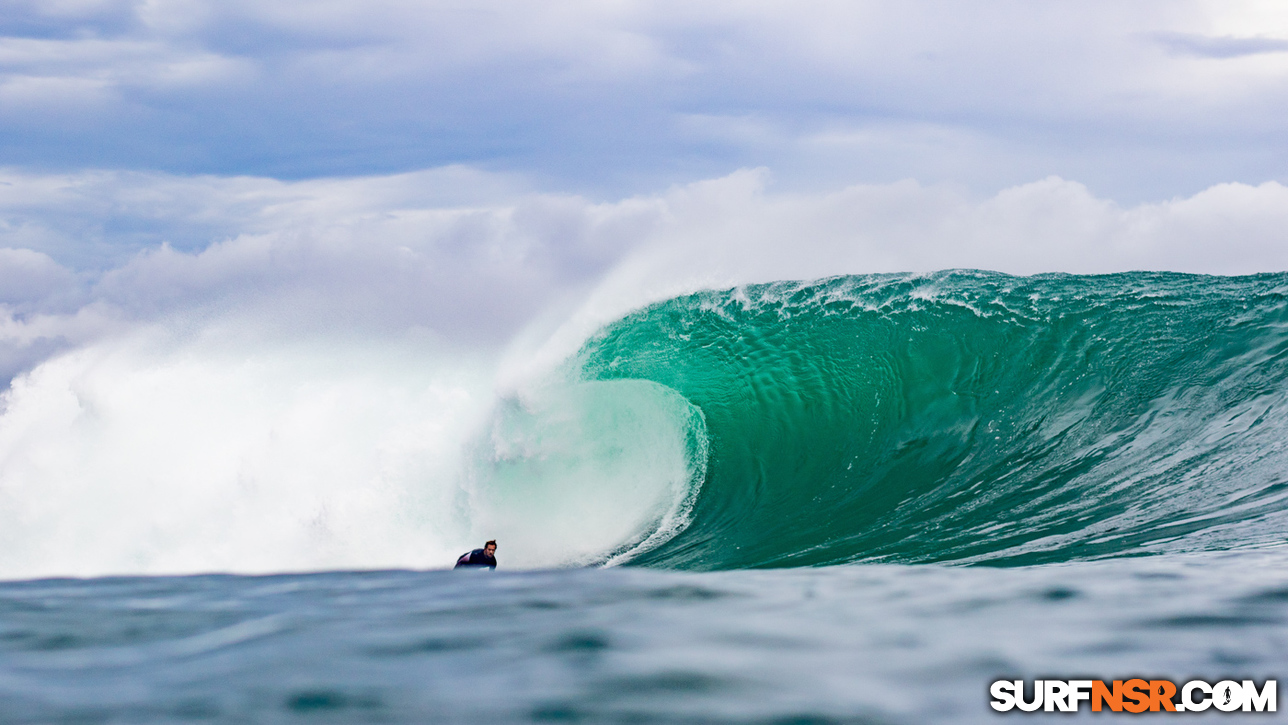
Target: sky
{"x": 491, "y": 181}
{"x": 554, "y": 140}
{"x": 1140, "y": 101}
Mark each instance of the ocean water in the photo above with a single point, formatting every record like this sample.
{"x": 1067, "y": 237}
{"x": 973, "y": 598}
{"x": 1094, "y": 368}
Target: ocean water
{"x": 853, "y": 500}
{"x": 877, "y": 643}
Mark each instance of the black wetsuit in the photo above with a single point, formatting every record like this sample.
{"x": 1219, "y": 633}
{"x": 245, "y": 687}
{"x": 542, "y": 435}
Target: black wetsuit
{"x": 475, "y": 559}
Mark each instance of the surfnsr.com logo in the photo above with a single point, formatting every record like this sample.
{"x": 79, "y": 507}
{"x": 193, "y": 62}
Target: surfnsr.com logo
{"x": 1135, "y": 695}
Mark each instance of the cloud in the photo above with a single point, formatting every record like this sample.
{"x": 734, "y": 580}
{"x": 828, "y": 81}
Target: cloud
{"x": 738, "y": 225}
{"x": 616, "y": 98}
{"x": 1224, "y": 47}
{"x": 28, "y": 277}
{"x": 99, "y": 219}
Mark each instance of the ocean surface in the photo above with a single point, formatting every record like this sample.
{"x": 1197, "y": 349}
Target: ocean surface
{"x": 853, "y": 500}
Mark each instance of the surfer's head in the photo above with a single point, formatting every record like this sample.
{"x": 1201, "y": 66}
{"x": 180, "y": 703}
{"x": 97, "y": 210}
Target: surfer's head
{"x": 490, "y": 548}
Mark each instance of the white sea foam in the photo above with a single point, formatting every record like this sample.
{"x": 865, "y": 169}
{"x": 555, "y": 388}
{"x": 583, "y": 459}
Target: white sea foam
{"x": 150, "y": 454}
{"x": 160, "y": 453}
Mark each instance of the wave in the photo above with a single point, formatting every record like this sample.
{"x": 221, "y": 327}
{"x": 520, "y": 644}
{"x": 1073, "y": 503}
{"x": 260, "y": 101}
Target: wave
{"x": 964, "y": 416}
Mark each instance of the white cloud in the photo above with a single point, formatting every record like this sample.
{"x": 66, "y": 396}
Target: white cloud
{"x": 83, "y": 72}
{"x": 986, "y": 94}
{"x": 1245, "y": 18}
{"x": 27, "y": 276}
{"x": 54, "y": 93}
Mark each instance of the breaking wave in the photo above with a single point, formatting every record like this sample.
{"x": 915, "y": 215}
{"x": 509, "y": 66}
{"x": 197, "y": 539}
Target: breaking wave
{"x": 964, "y": 417}
{"x": 971, "y": 417}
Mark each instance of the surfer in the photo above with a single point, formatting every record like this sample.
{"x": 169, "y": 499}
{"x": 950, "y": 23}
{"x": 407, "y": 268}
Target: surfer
{"x": 479, "y": 558}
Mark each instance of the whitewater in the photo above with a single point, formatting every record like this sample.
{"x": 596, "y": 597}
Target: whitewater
{"x": 850, "y": 499}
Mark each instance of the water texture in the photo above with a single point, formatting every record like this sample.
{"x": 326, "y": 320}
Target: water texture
{"x": 874, "y": 643}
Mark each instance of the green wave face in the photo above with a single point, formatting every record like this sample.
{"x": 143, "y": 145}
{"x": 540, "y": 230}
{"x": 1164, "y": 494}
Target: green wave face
{"x": 971, "y": 417}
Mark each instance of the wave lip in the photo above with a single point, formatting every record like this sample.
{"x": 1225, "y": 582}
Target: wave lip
{"x": 971, "y": 417}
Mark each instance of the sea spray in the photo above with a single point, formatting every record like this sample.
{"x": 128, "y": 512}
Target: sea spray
{"x": 160, "y": 453}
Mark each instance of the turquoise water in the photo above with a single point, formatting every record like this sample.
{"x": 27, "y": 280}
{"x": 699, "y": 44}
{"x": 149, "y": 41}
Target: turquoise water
{"x": 972, "y": 417}
{"x": 877, "y": 495}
